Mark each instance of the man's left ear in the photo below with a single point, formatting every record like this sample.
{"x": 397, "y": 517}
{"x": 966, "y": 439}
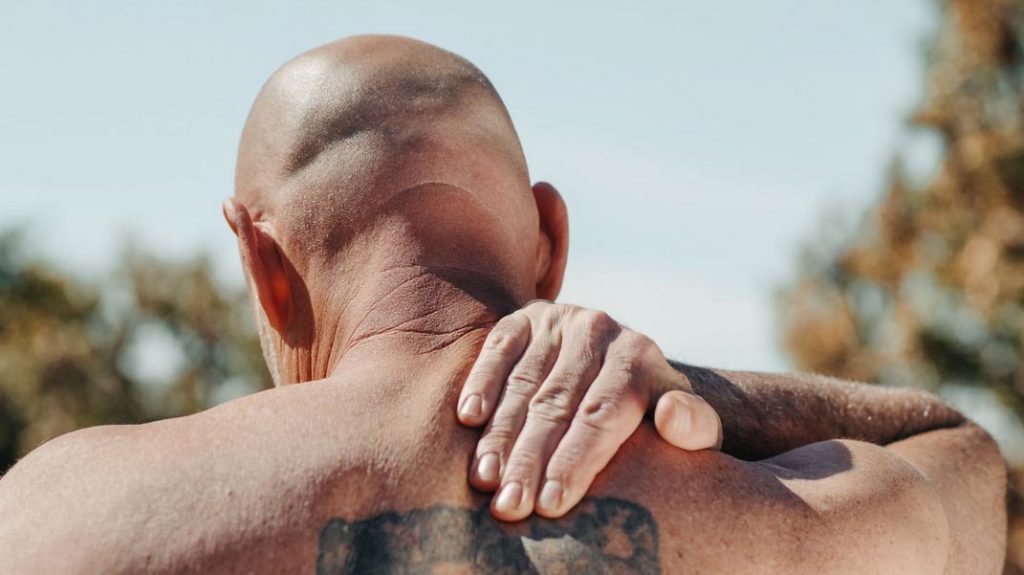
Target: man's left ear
{"x": 553, "y": 243}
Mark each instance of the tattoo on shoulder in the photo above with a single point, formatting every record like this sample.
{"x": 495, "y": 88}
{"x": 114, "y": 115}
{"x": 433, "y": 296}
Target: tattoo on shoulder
{"x": 602, "y": 535}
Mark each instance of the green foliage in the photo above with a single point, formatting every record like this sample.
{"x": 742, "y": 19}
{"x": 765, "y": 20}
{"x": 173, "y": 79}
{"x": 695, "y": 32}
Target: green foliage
{"x": 70, "y": 351}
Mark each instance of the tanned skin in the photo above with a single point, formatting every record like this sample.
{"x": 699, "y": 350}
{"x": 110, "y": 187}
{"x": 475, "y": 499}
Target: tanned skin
{"x": 386, "y": 223}
{"x": 787, "y": 420}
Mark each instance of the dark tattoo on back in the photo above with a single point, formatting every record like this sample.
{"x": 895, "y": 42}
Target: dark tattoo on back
{"x": 602, "y": 535}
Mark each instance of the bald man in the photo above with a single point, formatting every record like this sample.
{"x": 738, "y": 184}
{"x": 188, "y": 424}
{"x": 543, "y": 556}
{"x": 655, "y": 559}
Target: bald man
{"x": 386, "y": 222}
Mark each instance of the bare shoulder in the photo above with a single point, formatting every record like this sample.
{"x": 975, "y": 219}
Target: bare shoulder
{"x": 40, "y": 498}
{"x": 966, "y": 471}
{"x": 835, "y": 506}
{"x": 180, "y": 494}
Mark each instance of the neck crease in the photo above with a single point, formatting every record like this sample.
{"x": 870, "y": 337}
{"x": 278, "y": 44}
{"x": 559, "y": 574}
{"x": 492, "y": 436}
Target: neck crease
{"x": 404, "y": 313}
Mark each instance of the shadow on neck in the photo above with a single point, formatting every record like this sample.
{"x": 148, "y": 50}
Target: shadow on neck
{"x": 407, "y": 312}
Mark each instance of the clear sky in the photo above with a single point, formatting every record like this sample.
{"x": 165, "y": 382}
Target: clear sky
{"x": 696, "y": 143}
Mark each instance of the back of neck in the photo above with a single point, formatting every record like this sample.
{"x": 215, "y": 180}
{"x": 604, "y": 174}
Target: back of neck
{"x": 407, "y": 316}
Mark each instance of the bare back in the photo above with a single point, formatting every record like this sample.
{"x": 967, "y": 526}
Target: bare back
{"x": 332, "y": 478}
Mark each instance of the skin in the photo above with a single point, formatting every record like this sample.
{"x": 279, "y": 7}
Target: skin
{"x": 799, "y": 422}
{"x": 386, "y": 223}
{"x": 560, "y": 389}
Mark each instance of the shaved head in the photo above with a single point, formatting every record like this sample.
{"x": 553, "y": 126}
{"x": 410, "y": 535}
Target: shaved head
{"x": 347, "y": 134}
{"x": 383, "y": 169}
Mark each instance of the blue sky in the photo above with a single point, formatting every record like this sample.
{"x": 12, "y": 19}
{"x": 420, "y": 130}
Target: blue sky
{"x": 696, "y": 143}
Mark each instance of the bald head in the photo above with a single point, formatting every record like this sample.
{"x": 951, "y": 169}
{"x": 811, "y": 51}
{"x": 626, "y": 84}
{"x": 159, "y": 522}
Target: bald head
{"x": 341, "y": 134}
{"x": 387, "y": 87}
{"x": 371, "y": 160}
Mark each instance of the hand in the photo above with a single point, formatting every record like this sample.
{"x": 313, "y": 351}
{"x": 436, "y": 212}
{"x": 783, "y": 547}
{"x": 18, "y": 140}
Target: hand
{"x": 562, "y": 388}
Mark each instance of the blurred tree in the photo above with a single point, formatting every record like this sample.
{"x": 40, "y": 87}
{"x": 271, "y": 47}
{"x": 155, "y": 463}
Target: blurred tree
{"x": 929, "y": 288}
{"x": 160, "y": 339}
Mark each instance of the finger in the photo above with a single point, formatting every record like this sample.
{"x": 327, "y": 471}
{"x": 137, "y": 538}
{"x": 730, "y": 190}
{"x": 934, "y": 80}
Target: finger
{"x": 608, "y": 415}
{"x": 522, "y": 384}
{"x": 687, "y": 421}
{"x": 550, "y": 413}
{"x": 501, "y": 350}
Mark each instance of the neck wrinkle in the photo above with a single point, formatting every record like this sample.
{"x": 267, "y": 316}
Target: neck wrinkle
{"x": 403, "y": 313}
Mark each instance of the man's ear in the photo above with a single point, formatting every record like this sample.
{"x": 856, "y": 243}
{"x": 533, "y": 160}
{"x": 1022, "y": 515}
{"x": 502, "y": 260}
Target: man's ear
{"x": 262, "y": 263}
{"x": 553, "y": 245}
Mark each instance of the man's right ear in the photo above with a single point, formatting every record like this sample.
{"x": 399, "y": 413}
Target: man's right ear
{"x": 553, "y": 244}
{"x": 262, "y": 262}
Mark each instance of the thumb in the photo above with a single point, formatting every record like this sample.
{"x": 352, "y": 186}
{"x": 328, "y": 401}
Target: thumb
{"x": 687, "y": 421}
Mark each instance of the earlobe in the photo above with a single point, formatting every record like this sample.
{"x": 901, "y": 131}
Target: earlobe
{"x": 553, "y": 244}
{"x": 263, "y": 263}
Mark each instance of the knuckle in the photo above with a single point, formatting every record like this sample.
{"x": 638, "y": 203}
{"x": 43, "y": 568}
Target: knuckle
{"x": 568, "y": 309}
{"x": 556, "y": 314}
{"x": 642, "y": 343}
{"x": 553, "y": 317}
{"x": 596, "y": 324}
{"x": 569, "y": 455}
{"x": 522, "y": 383}
{"x": 599, "y": 319}
{"x": 599, "y": 414}
{"x": 517, "y": 473}
{"x": 653, "y": 350}
{"x": 539, "y": 303}
{"x": 480, "y": 382}
{"x": 523, "y": 464}
{"x": 563, "y": 465}
{"x": 553, "y": 403}
{"x": 504, "y": 426}
{"x": 495, "y": 441}
{"x": 577, "y": 464}
{"x": 498, "y": 432}
{"x": 517, "y": 320}
{"x": 636, "y": 352}
{"x": 629, "y": 343}
{"x": 630, "y": 365}
{"x": 540, "y": 308}
{"x": 501, "y": 338}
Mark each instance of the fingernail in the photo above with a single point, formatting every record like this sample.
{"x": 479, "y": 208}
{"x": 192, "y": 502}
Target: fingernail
{"x": 681, "y": 420}
{"x": 510, "y": 497}
{"x": 551, "y": 495}
{"x": 471, "y": 406}
{"x": 487, "y": 468}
